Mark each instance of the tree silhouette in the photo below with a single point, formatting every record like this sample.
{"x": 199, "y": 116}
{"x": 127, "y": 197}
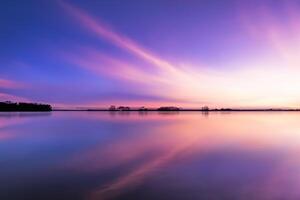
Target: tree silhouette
{"x": 10, "y": 106}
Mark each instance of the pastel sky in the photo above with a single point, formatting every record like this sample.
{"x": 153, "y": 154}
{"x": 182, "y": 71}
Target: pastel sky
{"x": 189, "y": 53}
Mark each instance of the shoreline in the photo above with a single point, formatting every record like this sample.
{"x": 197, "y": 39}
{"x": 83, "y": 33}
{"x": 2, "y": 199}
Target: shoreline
{"x": 154, "y": 110}
{"x": 183, "y": 110}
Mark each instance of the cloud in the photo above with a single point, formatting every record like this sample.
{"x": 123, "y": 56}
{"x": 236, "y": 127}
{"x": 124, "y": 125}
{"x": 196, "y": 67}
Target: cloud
{"x": 279, "y": 30}
{"x": 8, "y": 84}
{"x": 253, "y": 81}
{"x": 166, "y": 80}
{"x": 9, "y": 97}
{"x": 103, "y": 31}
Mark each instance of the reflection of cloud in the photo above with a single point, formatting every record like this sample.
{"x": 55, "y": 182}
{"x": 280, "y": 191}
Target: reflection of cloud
{"x": 8, "y": 120}
{"x": 138, "y": 174}
{"x": 280, "y": 178}
{"x": 134, "y": 148}
{"x": 5, "y": 136}
{"x": 138, "y": 155}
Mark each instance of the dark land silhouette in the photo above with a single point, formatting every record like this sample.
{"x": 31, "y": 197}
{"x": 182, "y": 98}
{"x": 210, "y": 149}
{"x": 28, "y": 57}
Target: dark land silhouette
{"x": 168, "y": 108}
{"x": 23, "y": 107}
{"x": 114, "y": 108}
{"x": 9, "y": 106}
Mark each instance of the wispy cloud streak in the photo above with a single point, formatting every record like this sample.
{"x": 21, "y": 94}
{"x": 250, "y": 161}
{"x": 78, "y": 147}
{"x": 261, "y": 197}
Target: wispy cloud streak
{"x": 261, "y": 81}
{"x": 8, "y": 84}
{"x": 123, "y": 42}
{"x": 9, "y": 97}
{"x": 168, "y": 81}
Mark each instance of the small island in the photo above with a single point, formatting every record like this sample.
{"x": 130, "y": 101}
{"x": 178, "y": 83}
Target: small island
{"x": 168, "y": 108}
{"x": 9, "y": 106}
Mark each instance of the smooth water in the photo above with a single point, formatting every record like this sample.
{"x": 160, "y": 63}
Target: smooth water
{"x": 185, "y": 155}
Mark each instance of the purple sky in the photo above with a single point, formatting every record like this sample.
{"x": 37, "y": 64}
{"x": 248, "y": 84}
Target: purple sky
{"x": 161, "y": 52}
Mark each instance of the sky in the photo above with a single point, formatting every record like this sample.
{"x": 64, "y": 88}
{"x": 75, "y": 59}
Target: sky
{"x": 187, "y": 53}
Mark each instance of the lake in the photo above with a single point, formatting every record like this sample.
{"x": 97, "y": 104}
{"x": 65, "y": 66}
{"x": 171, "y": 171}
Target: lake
{"x": 150, "y": 155}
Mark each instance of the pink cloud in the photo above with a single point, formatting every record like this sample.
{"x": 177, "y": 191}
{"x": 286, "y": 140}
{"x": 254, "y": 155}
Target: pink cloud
{"x": 279, "y": 34}
{"x": 256, "y": 81}
{"x": 9, "y": 97}
{"x": 8, "y": 84}
{"x": 103, "y": 31}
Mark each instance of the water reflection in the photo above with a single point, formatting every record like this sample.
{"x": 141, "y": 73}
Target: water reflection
{"x": 23, "y": 114}
{"x": 190, "y": 155}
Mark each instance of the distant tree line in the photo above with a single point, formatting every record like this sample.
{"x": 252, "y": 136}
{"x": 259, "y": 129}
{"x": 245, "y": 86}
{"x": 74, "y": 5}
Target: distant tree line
{"x": 163, "y": 108}
{"x": 143, "y": 108}
{"x": 168, "y": 108}
{"x": 12, "y": 106}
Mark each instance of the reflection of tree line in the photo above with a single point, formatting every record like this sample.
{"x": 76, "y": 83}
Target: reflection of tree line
{"x": 12, "y": 106}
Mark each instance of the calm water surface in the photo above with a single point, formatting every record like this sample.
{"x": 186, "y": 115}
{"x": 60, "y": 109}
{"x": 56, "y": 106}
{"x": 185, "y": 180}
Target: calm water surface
{"x": 188, "y": 155}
